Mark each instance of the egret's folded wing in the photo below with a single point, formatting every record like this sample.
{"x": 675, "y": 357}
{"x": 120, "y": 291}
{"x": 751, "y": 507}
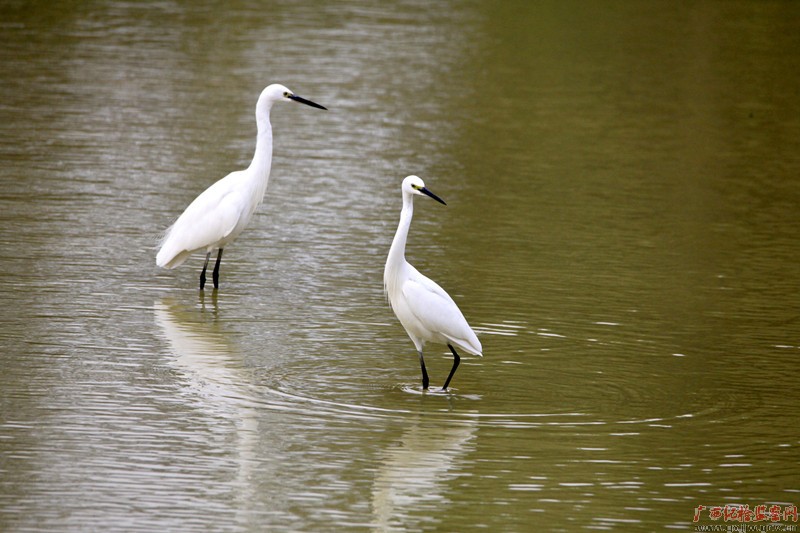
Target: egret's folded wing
{"x": 434, "y": 308}
{"x": 209, "y": 218}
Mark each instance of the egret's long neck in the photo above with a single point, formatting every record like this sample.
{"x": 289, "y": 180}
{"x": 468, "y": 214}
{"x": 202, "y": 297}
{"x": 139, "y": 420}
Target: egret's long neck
{"x": 397, "y": 252}
{"x": 262, "y": 159}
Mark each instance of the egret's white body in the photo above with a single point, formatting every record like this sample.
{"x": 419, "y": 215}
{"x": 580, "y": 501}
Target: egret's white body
{"x": 221, "y": 212}
{"x": 425, "y": 310}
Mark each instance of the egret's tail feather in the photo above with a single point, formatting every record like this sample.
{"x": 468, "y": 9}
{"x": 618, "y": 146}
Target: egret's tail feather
{"x": 170, "y": 260}
{"x": 169, "y": 256}
{"x": 470, "y": 345}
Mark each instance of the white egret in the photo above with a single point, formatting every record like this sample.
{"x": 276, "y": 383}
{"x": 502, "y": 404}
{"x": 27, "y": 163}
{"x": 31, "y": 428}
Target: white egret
{"x": 424, "y": 309}
{"x": 222, "y": 211}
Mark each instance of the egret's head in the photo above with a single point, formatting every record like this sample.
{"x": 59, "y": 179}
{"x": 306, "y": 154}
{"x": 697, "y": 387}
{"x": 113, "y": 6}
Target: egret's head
{"x": 415, "y": 185}
{"x": 277, "y": 92}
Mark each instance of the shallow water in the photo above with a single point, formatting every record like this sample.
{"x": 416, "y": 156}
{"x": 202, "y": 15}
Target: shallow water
{"x": 621, "y": 231}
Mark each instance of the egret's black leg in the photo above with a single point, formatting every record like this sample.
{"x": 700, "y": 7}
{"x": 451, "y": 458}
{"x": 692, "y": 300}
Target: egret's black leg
{"x": 203, "y": 273}
{"x": 456, "y": 360}
{"x": 424, "y": 372}
{"x": 216, "y": 269}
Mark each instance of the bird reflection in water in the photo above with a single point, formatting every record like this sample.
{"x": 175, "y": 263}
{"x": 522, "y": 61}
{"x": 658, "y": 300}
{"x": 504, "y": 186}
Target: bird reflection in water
{"x": 215, "y": 380}
{"x": 412, "y": 482}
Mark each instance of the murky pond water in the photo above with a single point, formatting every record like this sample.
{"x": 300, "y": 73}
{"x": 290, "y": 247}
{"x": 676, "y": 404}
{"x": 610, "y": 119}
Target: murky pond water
{"x": 621, "y": 230}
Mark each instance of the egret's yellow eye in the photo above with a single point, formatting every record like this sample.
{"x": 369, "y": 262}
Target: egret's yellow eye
{"x": 286, "y": 94}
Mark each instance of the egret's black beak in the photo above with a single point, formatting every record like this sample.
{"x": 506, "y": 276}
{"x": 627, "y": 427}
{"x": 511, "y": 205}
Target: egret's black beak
{"x": 307, "y": 102}
{"x": 425, "y": 190}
